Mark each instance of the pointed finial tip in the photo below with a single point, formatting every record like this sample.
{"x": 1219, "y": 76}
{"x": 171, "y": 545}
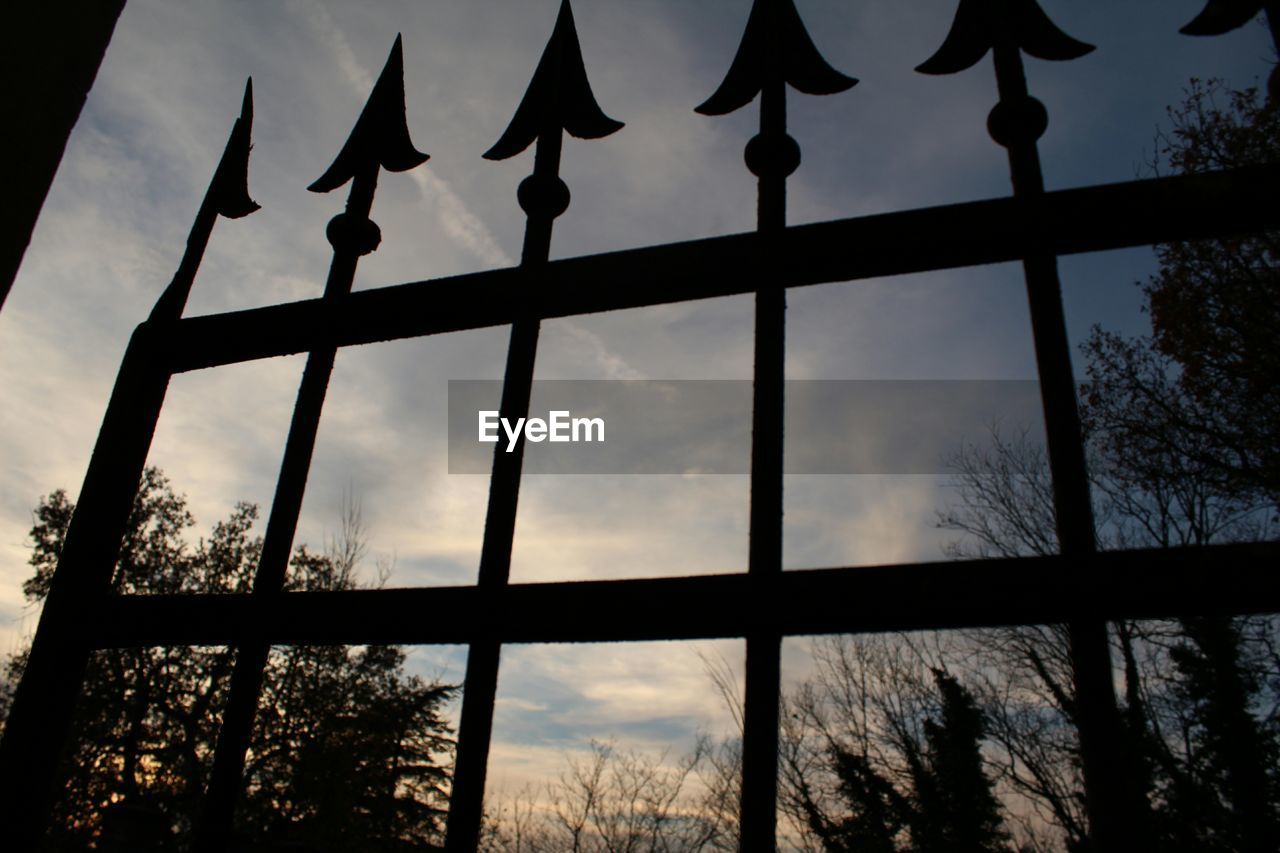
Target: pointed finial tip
{"x": 381, "y": 134}
{"x": 559, "y": 92}
{"x": 775, "y": 42}
{"x": 975, "y": 30}
{"x": 229, "y": 189}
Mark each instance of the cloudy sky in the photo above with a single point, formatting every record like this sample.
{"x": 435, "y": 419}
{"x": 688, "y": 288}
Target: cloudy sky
{"x": 115, "y": 222}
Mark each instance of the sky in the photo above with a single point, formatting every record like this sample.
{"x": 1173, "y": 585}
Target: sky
{"x": 115, "y": 222}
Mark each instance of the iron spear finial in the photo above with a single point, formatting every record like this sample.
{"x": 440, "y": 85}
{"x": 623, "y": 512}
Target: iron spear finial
{"x": 558, "y": 99}
{"x": 227, "y": 195}
{"x": 229, "y": 190}
{"x": 775, "y": 42}
{"x": 979, "y": 23}
{"x": 381, "y": 134}
{"x": 558, "y": 94}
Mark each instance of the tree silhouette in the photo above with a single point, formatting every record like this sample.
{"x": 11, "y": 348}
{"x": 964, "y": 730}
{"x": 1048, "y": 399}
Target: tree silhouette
{"x": 1214, "y": 305}
{"x": 1183, "y": 439}
{"x": 903, "y": 743}
{"x": 1214, "y": 308}
{"x": 1189, "y": 419}
{"x": 956, "y": 808}
{"x": 349, "y": 751}
{"x": 610, "y": 799}
{"x": 877, "y": 810}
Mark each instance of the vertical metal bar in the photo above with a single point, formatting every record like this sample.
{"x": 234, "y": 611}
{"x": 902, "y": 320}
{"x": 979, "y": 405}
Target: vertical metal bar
{"x": 558, "y": 97}
{"x": 1110, "y": 796}
{"x": 763, "y": 652}
{"x": 775, "y": 50}
{"x": 40, "y": 717}
{"x": 225, "y": 778}
{"x": 475, "y": 727}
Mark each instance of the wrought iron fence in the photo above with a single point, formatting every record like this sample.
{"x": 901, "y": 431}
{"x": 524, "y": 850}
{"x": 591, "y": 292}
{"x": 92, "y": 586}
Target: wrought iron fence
{"x": 1080, "y": 586}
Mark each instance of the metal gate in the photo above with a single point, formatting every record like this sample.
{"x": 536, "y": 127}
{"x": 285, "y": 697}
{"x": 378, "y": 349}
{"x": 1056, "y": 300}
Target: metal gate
{"x": 1080, "y": 586}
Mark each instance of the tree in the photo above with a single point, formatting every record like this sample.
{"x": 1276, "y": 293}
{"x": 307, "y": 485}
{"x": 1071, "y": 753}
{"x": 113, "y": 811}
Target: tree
{"x": 1188, "y": 421}
{"x": 1183, "y": 439}
{"x": 613, "y": 800}
{"x": 949, "y": 805}
{"x": 1215, "y": 305}
{"x": 957, "y": 809}
{"x": 349, "y": 751}
{"x": 884, "y": 751}
{"x": 1229, "y": 783}
{"x": 1196, "y": 700}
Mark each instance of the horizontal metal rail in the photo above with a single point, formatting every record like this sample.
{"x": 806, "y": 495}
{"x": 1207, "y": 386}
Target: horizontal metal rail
{"x": 1090, "y": 219}
{"x": 1150, "y": 583}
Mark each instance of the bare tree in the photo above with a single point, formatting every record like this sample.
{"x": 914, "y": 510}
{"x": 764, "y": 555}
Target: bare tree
{"x": 883, "y": 750}
{"x": 1146, "y": 494}
{"x": 614, "y": 801}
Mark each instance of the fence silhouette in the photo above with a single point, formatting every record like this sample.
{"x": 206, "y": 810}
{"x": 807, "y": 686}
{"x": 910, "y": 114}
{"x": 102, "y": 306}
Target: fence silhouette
{"x": 1080, "y": 586}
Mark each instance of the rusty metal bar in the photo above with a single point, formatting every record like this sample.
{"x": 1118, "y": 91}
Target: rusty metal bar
{"x": 1111, "y": 216}
{"x": 1142, "y": 584}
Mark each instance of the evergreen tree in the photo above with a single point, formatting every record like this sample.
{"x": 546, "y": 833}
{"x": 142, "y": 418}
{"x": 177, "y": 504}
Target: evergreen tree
{"x": 956, "y": 809}
{"x": 877, "y": 811}
{"x": 1228, "y": 797}
{"x": 349, "y": 752}
{"x": 945, "y": 804}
